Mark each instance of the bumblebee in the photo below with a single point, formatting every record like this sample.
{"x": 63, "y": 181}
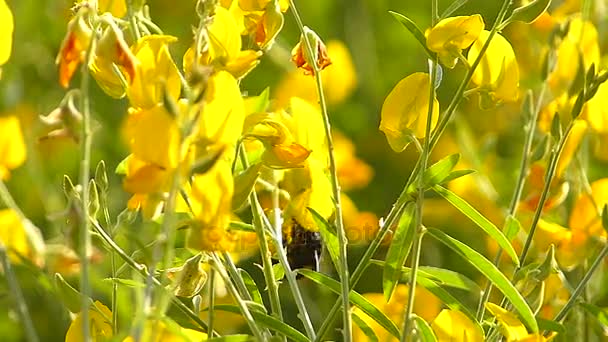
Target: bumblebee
{"x": 303, "y": 247}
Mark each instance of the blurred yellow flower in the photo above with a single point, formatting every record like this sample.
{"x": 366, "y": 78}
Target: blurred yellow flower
{"x": 596, "y": 114}
{"x": 571, "y": 245}
{"x": 166, "y": 331}
{"x": 498, "y": 72}
{"x": 259, "y": 5}
{"x": 14, "y": 237}
{"x": 581, "y": 40}
{"x": 6, "y": 33}
{"x": 12, "y": 146}
{"x": 155, "y": 74}
{"x": 585, "y": 216}
{"x": 353, "y": 173}
{"x": 118, "y": 8}
{"x": 405, "y": 111}
{"x": 426, "y": 306}
{"x": 451, "y": 35}
{"x": 339, "y": 80}
{"x": 100, "y": 325}
{"x": 454, "y": 326}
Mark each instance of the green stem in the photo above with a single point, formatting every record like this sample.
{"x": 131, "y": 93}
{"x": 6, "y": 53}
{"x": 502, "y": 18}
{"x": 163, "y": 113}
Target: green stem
{"x": 581, "y": 286}
{"x": 519, "y": 187}
{"x": 339, "y": 221}
{"x": 235, "y": 294}
{"x": 234, "y": 274}
{"x": 419, "y": 232}
{"x": 15, "y": 289}
{"x": 404, "y": 197}
{"x": 141, "y": 270}
{"x": 211, "y": 289}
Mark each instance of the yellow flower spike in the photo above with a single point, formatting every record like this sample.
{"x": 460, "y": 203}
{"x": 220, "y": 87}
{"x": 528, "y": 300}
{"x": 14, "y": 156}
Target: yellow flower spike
{"x": 73, "y": 47}
{"x": 12, "y": 146}
{"x": 6, "y": 32}
{"x": 498, "y": 70}
{"x": 585, "y": 215}
{"x": 339, "y": 80}
{"x": 160, "y": 148}
{"x": 113, "y": 49}
{"x": 155, "y": 73}
{"x": 454, "y": 326}
{"x": 223, "y": 110}
{"x": 452, "y": 35}
{"x": 573, "y": 141}
{"x": 100, "y": 323}
{"x": 510, "y": 326}
{"x": 405, "y": 111}
{"x": 118, "y": 8}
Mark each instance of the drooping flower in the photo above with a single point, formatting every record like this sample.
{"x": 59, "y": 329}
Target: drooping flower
{"x": 301, "y": 56}
{"x": 498, "y": 72}
{"x": 452, "y": 35}
{"x": 6, "y": 33}
{"x": 74, "y": 46}
{"x": 100, "y": 325}
{"x": 405, "y": 111}
{"x": 12, "y": 146}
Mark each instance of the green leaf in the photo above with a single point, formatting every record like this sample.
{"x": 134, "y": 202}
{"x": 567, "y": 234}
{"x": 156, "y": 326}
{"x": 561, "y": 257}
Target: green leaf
{"x": 454, "y": 6}
{"x": 243, "y": 184}
{"x": 605, "y": 217}
{"x": 439, "y": 171}
{"x": 456, "y": 174}
{"x": 549, "y": 325}
{"x": 267, "y": 322}
{"x": 68, "y": 295}
{"x": 449, "y": 278}
{"x": 445, "y": 297}
{"x": 232, "y": 338}
{"x": 601, "y": 314}
{"x": 498, "y": 279}
{"x": 367, "y": 330}
{"x": 279, "y": 271}
{"x": 251, "y": 286}
{"x": 121, "y": 168}
{"x": 127, "y": 282}
{"x": 425, "y": 333}
{"x": 398, "y": 251}
{"x": 329, "y": 236}
{"x": 528, "y": 13}
{"x": 414, "y": 30}
{"x": 361, "y": 302}
{"x": 512, "y": 227}
{"x": 242, "y": 226}
{"x": 540, "y": 151}
{"x": 482, "y": 222}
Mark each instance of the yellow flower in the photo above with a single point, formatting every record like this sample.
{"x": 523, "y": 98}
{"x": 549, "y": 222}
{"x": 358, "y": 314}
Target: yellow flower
{"x": 73, "y": 47}
{"x": 6, "y": 32}
{"x": 497, "y": 72}
{"x": 263, "y": 26}
{"x": 596, "y": 114}
{"x": 405, "y": 111}
{"x": 585, "y": 215}
{"x": 339, "y": 80}
{"x": 510, "y": 325}
{"x": 224, "y": 48}
{"x": 155, "y": 74}
{"x": 581, "y": 40}
{"x": 260, "y": 5}
{"x": 12, "y": 146}
{"x": 166, "y": 331}
{"x": 100, "y": 325}
{"x": 454, "y": 326}
{"x": 426, "y": 306}
{"x": 452, "y": 35}
{"x": 353, "y": 172}
{"x": 14, "y": 237}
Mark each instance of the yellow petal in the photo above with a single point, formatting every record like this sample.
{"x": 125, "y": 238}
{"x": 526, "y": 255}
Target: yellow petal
{"x": 283, "y": 156}
{"x": 405, "y": 111}
{"x": 243, "y": 63}
{"x": 143, "y": 178}
{"x": 510, "y": 326}
{"x": 155, "y": 73}
{"x": 118, "y": 8}
{"x": 454, "y": 326}
{"x": 596, "y": 111}
{"x": 498, "y": 69}
{"x": 13, "y": 236}
{"x": 224, "y": 36}
{"x": 451, "y": 35}
{"x": 585, "y": 213}
{"x": 573, "y": 141}
{"x": 100, "y": 324}
{"x": 12, "y": 146}
{"x": 6, "y": 32}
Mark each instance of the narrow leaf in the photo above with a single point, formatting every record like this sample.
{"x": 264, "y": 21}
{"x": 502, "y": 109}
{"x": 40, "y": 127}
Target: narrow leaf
{"x": 425, "y": 333}
{"x": 398, "y": 251}
{"x": 251, "y": 286}
{"x": 267, "y": 322}
{"x": 243, "y": 184}
{"x": 439, "y": 171}
{"x": 366, "y": 329}
{"x": 329, "y": 236}
{"x": 601, "y": 314}
{"x": 69, "y": 295}
{"x": 530, "y": 12}
{"x": 450, "y": 278}
{"x": 605, "y": 217}
{"x": 549, "y": 325}
{"x": 456, "y": 174}
{"x": 454, "y": 6}
{"x": 414, "y": 30}
{"x": 498, "y": 279}
{"x": 232, "y": 338}
{"x": 357, "y": 299}
{"x": 480, "y": 220}
{"x": 446, "y": 297}
{"x": 512, "y": 227}
{"x": 242, "y": 226}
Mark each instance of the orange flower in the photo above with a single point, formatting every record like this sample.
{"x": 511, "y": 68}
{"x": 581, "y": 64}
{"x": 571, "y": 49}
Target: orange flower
{"x": 74, "y": 46}
{"x": 299, "y": 54}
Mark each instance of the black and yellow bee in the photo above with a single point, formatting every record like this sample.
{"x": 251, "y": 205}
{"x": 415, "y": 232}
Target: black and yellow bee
{"x": 303, "y": 247}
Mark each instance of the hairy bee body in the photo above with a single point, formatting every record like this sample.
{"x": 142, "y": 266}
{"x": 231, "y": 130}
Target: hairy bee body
{"x": 303, "y": 247}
